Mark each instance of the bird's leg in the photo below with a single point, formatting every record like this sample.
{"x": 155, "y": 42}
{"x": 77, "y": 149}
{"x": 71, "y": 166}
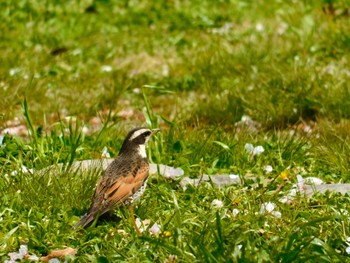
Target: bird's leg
{"x": 131, "y": 210}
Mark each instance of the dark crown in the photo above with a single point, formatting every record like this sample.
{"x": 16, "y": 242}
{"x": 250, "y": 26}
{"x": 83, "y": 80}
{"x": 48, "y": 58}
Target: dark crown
{"x": 136, "y": 137}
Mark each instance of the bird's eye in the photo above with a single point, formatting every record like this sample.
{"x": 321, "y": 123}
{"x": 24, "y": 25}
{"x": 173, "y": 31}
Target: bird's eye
{"x": 146, "y": 134}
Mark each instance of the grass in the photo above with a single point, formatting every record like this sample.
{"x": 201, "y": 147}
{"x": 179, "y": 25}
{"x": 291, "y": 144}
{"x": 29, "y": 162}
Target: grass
{"x": 78, "y": 75}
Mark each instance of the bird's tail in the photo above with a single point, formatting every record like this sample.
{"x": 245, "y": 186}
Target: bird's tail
{"x": 85, "y": 220}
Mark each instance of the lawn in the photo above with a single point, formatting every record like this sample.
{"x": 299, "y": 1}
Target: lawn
{"x": 215, "y": 76}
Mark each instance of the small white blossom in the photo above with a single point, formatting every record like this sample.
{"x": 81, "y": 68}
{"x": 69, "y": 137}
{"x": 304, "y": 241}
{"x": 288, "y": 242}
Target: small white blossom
{"x": 259, "y": 27}
{"x": 105, "y": 153}
{"x": 217, "y": 203}
{"x": 246, "y": 119}
{"x": 14, "y": 71}
{"x": 348, "y": 245}
{"x": 268, "y": 169}
{"x": 76, "y": 52}
{"x": 258, "y": 150}
{"x": 285, "y": 199}
{"x": 235, "y": 212}
{"x": 85, "y": 129}
{"x": 276, "y": 214}
{"x": 254, "y": 150}
{"x": 24, "y": 169}
{"x": 347, "y": 249}
{"x": 106, "y": 68}
{"x": 139, "y": 224}
{"x": 155, "y": 229}
{"x": 165, "y": 70}
{"x": 267, "y": 207}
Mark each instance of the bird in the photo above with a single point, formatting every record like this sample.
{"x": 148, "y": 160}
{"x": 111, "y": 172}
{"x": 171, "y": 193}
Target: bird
{"x": 124, "y": 180}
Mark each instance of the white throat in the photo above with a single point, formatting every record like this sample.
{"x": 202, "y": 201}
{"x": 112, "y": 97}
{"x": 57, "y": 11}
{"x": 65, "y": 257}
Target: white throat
{"x": 142, "y": 150}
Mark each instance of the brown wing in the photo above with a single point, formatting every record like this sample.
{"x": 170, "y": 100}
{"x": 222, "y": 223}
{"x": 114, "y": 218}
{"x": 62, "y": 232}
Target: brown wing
{"x": 124, "y": 187}
{"x": 119, "y": 182}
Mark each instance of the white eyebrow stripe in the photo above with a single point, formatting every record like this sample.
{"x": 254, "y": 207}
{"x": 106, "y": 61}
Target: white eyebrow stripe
{"x": 138, "y": 133}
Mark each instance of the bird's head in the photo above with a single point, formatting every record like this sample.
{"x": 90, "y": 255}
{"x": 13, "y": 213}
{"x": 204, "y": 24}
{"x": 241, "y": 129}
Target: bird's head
{"x": 136, "y": 141}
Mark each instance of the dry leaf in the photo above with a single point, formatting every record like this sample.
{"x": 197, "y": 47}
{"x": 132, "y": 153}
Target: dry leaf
{"x": 59, "y": 253}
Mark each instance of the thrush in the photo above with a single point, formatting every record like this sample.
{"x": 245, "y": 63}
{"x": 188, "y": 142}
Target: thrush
{"x": 124, "y": 180}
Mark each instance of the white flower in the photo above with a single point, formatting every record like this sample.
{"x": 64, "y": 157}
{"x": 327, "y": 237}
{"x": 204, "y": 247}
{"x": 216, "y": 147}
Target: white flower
{"x": 267, "y": 208}
{"x": 254, "y": 150}
{"x": 155, "y": 229}
{"x": 76, "y": 52}
{"x": 259, "y": 27}
{"x": 276, "y": 214}
{"x": 258, "y": 150}
{"x": 105, "y": 153}
{"x": 348, "y": 245}
{"x": 24, "y": 169}
{"x": 165, "y": 70}
{"x": 140, "y": 225}
{"x": 85, "y": 129}
{"x": 106, "y": 68}
{"x": 347, "y": 249}
{"x": 217, "y": 203}
{"x": 14, "y": 71}
{"x": 268, "y": 169}
{"x": 1, "y": 140}
{"x": 235, "y": 212}
{"x": 246, "y": 119}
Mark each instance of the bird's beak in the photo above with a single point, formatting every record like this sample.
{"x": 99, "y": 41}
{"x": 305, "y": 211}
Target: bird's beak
{"x": 154, "y": 131}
